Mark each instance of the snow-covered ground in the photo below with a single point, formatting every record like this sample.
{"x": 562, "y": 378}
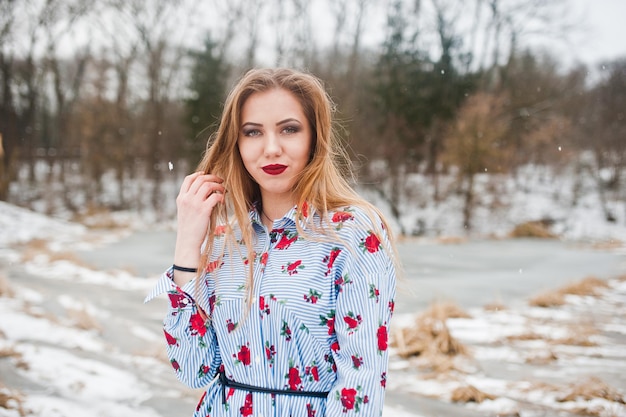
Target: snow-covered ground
{"x": 78, "y": 341}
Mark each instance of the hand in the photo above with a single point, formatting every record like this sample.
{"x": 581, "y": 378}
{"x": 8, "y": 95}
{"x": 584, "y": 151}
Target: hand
{"x": 198, "y": 196}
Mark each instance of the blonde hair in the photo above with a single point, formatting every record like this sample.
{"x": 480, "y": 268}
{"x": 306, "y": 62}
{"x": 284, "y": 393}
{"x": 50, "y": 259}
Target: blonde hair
{"x": 322, "y": 185}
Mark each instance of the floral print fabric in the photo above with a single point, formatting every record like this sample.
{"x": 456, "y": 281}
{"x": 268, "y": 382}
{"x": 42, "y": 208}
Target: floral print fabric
{"x": 319, "y": 321}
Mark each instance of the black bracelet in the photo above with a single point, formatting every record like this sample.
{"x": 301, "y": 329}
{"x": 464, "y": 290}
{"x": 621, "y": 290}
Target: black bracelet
{"x": 183, "y": 269}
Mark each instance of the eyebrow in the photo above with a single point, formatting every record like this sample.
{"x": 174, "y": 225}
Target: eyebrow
{"x": 282, "y": 122}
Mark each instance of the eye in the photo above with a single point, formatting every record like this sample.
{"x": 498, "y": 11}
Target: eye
{"x": 251, "y": 132}
{"x": 290, "y": 130}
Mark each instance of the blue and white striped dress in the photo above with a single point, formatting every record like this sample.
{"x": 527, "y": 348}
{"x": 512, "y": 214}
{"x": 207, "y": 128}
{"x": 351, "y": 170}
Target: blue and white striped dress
{"x": 319, "y": 322}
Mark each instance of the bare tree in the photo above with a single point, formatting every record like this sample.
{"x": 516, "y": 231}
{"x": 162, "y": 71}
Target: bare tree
{"x": 474, "y": 144}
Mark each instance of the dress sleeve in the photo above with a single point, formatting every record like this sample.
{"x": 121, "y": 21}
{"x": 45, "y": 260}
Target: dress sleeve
{"x": 191, "y": 341}
{"x": 363, "y": 310}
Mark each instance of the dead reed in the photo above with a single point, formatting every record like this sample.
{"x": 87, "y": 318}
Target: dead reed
{"x": 469, "y": 393}
{"x": 533, "y": 229}
{"x": 590, "y": 286}
{"x": 430, "y": 335}
{"x": 12, "y": 400}
{"x": 82, "y": 319}
{"x": 590, "y": 389}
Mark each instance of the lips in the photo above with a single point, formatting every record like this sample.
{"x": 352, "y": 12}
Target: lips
{"x": 274, "y": 169}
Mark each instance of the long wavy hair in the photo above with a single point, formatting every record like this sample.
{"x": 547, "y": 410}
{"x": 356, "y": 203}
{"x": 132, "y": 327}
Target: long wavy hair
{"x": 322, "y": 186}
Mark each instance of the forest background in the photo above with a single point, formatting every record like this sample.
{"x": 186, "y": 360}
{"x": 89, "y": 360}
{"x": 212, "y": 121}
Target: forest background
{"x": 105, "y": 105}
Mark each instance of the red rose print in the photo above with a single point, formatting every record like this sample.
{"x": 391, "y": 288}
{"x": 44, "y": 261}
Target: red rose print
{"x": 312, "y": 296}
{"x": 198, "y": 325}
{"x": 220, "y": 230}
{"x": 382, "y": 338}
{"x": 264, "y": 258}
{"x": 335, "y": 347}
{"x": 285, "y": 331}
{"x": 315, "y": 373}
{"x": 294, "y": 378}
{"x": 329, "y": 321}
{"x": 392, "y": 306}
{"x": 212, "y": 266}
{"x": 342, "y": 216}
{"x": 171, "y": 340}
{"x": 175, "y": 365}
{"x": 243, "y": 356}
{"x": 348, "y": 398}
{"x": 352, "y": 321}
{"x": 374, "y": 292}
{"x": 246, "y": 409}
{"x": 310, "y": 412}
{"x": 263, "y": 306}
{"x": 330, "y": 259}
{"x": 286, "y": 241}
{"x": 383, "y": 379}
{"x": 292, "y": 267}
{"x": 204, "y": 369}
{"x": 305, "y": 209}
{"x": 371, "y": 243}
{"x": 357, "y": 361}
{"x": 270, "y": 352}
{"x": 177, "y": 299}
{"x": 230, "y": 326}
{"x": 341, "y": 282}
{"x": 312, "y": 372}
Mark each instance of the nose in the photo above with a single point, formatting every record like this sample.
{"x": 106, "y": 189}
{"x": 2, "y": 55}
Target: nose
{"x": 272, "y": 146}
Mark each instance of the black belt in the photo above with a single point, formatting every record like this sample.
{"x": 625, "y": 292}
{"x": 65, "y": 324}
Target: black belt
{"x": 237, "y": 385}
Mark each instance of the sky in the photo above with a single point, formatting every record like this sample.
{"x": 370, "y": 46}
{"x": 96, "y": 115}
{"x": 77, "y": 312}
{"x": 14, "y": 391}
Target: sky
{"x": 603, "y": 34}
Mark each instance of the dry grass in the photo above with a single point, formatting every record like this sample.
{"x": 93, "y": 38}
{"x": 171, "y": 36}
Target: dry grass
{"x": 590, "y": 286}
{"x": 593, "y": 388}
{"x": 430, "y": 335}
{"x": 495, "y": 306}
{"x": 10, "y": 352}
{"x": 470, "y": 393}
{"x": 535, "y": 229}
{"x": 443, "y": 310}
{"x": 95, "y": 217}
{"x": 524, "y": 337}
{"x": 579, "y": 335}
{"x": 451, "y": 240}
{"x": 547, "y": 299}
{"x": 608, "y": 245}
{"x": 83, "y": 320}
{"x": 5, "y": 287}
{"x": 36, "y": 247}
{"x": 12, "y": 400}
{"x": 542, "y": 359}
{"x": 587, "y": 286}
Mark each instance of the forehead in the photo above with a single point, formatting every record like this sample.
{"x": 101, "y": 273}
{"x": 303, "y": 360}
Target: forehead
{"x": 276, "y": 102}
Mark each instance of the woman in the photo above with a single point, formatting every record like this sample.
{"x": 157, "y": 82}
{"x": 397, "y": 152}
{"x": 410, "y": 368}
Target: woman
{"x": 289, "y": 314}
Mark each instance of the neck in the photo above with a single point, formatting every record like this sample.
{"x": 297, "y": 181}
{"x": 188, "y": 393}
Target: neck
{"x": 275, "y": 208}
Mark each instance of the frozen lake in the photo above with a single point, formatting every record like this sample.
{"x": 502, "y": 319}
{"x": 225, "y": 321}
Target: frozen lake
{"x": 471, "y": 274}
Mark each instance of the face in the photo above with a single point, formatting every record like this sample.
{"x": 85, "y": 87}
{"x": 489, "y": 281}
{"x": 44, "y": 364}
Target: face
{"x": 275, "y": 143}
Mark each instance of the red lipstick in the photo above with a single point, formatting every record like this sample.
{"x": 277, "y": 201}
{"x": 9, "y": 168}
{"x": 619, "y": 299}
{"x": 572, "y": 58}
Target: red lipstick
{"x": 274, "y": 169}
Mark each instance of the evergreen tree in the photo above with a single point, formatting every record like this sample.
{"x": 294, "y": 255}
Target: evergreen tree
{"x": 208, "y": 84}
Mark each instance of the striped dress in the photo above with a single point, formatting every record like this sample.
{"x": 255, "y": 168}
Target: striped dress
{"x": 319, "y": 321}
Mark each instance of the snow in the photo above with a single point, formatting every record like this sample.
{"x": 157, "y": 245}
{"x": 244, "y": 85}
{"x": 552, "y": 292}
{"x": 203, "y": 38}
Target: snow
{"x": 58, "y": 368}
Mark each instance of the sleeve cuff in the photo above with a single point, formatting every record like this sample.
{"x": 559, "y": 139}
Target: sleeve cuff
{"x": 166, "y": 284}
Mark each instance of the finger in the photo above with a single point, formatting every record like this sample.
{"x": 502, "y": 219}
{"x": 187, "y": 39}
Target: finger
{"x": 203, "y": 179}
{"x": 210, "y": 188}
{"x": 214, "y": 199}
{"x": 188, "y": 181}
